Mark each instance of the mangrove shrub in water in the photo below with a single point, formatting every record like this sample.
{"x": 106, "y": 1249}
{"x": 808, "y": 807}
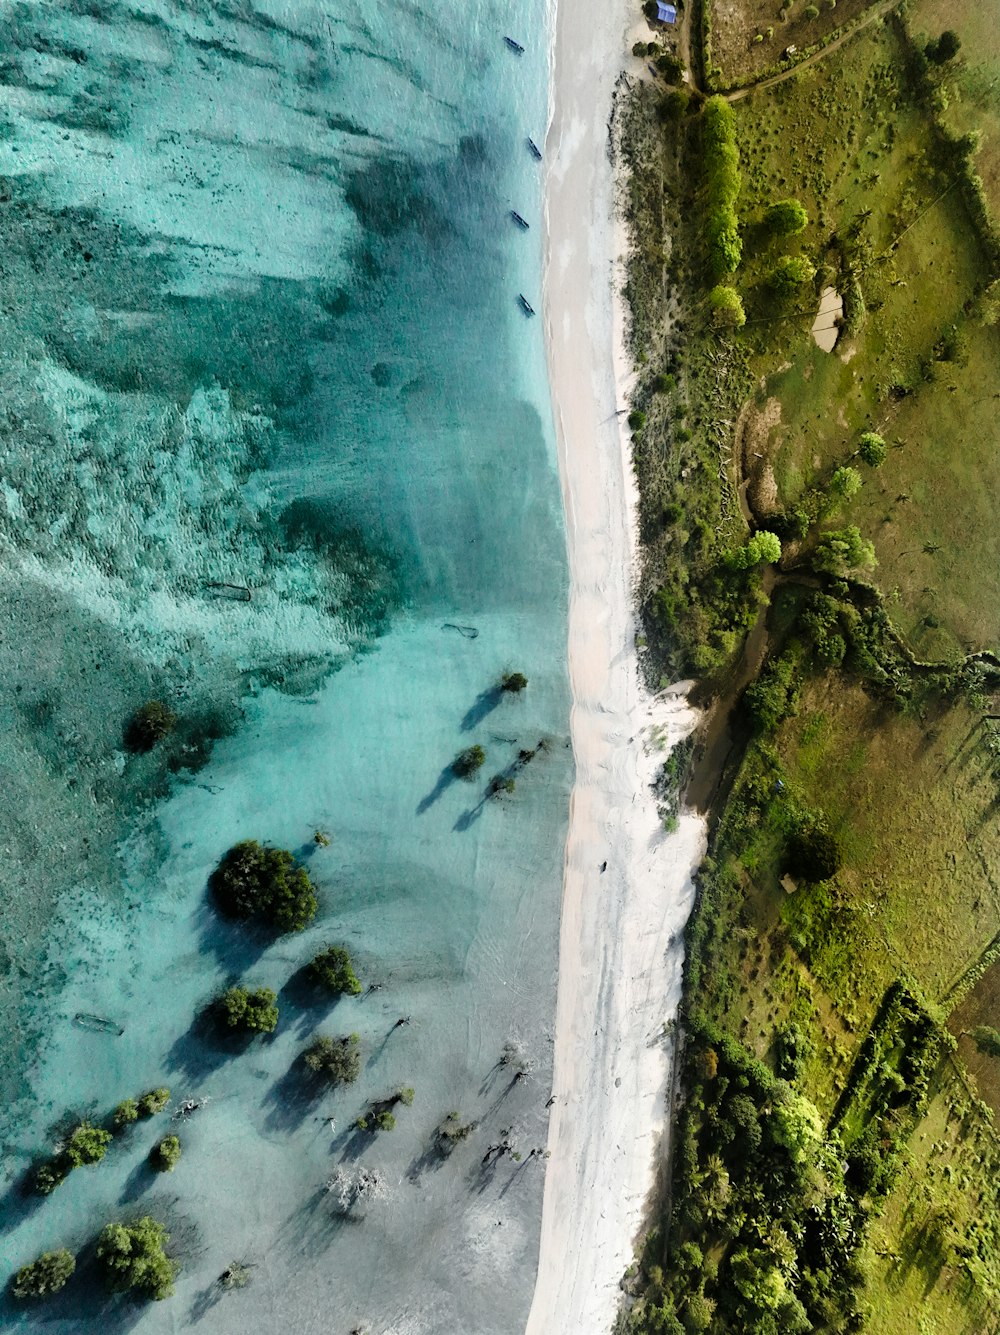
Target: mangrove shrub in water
{"x": 45, "y": 1276}
{"x": 154, "y": 1101}
{"x": 336, "y": 1060}
{"x": 251, "y": 1012}
{"x": 149, "y": 725}
{"x": 266, "y": 884}
{"x": 87, "y": 1144}
{"x": 165, "y": 1157}
{"x": 513, "y": 682}
{"x": 467, "y": 762}
{"x": 133, "y": 1257}
{"x": 125, "y": 1114}
{"x": 333, "y": 971}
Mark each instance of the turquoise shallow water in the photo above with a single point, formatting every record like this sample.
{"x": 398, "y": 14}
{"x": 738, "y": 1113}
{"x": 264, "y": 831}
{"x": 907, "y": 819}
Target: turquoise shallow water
{"x": 259, "y": 328}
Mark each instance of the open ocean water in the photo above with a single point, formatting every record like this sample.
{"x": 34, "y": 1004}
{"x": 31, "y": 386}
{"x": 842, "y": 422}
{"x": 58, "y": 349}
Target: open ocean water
{"x": 258, "y": 327}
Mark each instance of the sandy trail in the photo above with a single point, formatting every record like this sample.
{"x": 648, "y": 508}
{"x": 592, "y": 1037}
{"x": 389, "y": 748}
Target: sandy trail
{"x": 620, "y": 950}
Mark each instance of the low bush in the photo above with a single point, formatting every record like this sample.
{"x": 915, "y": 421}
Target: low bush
{"x": 87, "y": 1145}
{"x": 468, "y": 762}
{"x": 46, "y": 1276}
{"x": 333, "y": 971}
{"x": 165, "y": 1156}
{"x": 149, "y": 725}
{"x": 154, "y": 1101}
{"x": 252, "y": 1012}
{"x": 335, "y": 1060}
{"x": 126, "y": 1113}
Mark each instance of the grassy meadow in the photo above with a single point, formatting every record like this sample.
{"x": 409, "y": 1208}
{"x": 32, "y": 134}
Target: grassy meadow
{"x": 836, "y": 1155}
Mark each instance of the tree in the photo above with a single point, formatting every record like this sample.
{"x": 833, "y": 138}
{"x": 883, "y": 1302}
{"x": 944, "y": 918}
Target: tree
{"x": 333, "y": 971}
{"x": 725, "y": 249}
{"x": 674, "y": 105}
{"x": 726, "y": 307}
{"x": 843, "y": 549}
{"x": 335, "y": 1060}
{"x": 945, "y": 48}
{"x": 88, "y": 1144}
{"x": 987, "y": 1040}
{"x": 264, "y": 883}
{"x": 45, "y": 1276}
{"x": 845, "y": 483}
{"x": 154, "y": 1101}
{"x": 133, "y": 1256}
{"x": 872, "y": 449}
{"x": 513, "y": 682}
{"x": 165, "y": 1156}
{"x": 795, "y": 1123}
{"x": 697, "y": 1314}
{"x": 814, "y": 853}
{"x": 51, "y": 1174}
{"x": 149, "y": 725}
{"x": 126, "y": 1113}
{"x": 810, "y": 12}
{"x": 786, "y": 217}
{"x": 252, "y": 1012}
{"x": 468, "y": 762}
{"x": 790, "y": 272}
{"x": 764, "y": 548}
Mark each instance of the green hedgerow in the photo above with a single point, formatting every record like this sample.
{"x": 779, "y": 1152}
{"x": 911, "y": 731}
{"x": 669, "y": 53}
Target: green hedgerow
{"x": 268, "y": 884}
{"x": 45, "y": 1276}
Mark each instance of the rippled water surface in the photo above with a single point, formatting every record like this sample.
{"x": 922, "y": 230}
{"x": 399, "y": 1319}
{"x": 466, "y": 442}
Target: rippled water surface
{"x": 259, "y": 332}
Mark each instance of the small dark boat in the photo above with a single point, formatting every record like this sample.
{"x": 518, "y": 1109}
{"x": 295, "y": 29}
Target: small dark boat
{"x": 469, "y": 632}
{"x": 535, "y": 151}
{"x": 97, "y": 1024}
{"x": 525, "y": 304}
{"x": 519, "y": 220}
{"x": 514, "y": 46}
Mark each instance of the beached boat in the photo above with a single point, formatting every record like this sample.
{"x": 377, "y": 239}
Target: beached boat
{"x": 519, "y": 220}
{"x": 535, "y": 151}
{"x": 525, "y": 304}
{"x": 514, "y": 46}
{"x": 97, "y": 1024}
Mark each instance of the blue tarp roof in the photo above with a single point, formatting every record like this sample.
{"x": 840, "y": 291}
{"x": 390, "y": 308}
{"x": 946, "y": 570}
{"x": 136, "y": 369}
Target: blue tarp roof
{"x": 666, "y": 13}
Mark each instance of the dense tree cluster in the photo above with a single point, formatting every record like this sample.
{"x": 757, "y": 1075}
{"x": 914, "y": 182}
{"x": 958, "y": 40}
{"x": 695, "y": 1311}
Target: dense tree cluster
{"x": 265, "y": 884}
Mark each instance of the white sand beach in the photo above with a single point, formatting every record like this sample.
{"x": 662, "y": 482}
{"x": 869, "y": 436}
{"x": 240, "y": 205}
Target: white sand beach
{"x": 620, "y": 946}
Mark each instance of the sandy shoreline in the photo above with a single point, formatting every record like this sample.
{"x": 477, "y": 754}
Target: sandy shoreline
{"x": 620, "y": 950}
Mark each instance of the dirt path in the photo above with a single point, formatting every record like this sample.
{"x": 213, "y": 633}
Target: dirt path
{"x": 876, "y": 11}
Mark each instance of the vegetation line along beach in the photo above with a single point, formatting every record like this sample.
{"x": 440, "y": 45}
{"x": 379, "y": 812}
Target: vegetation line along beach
{"x": 627, "y": 880}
